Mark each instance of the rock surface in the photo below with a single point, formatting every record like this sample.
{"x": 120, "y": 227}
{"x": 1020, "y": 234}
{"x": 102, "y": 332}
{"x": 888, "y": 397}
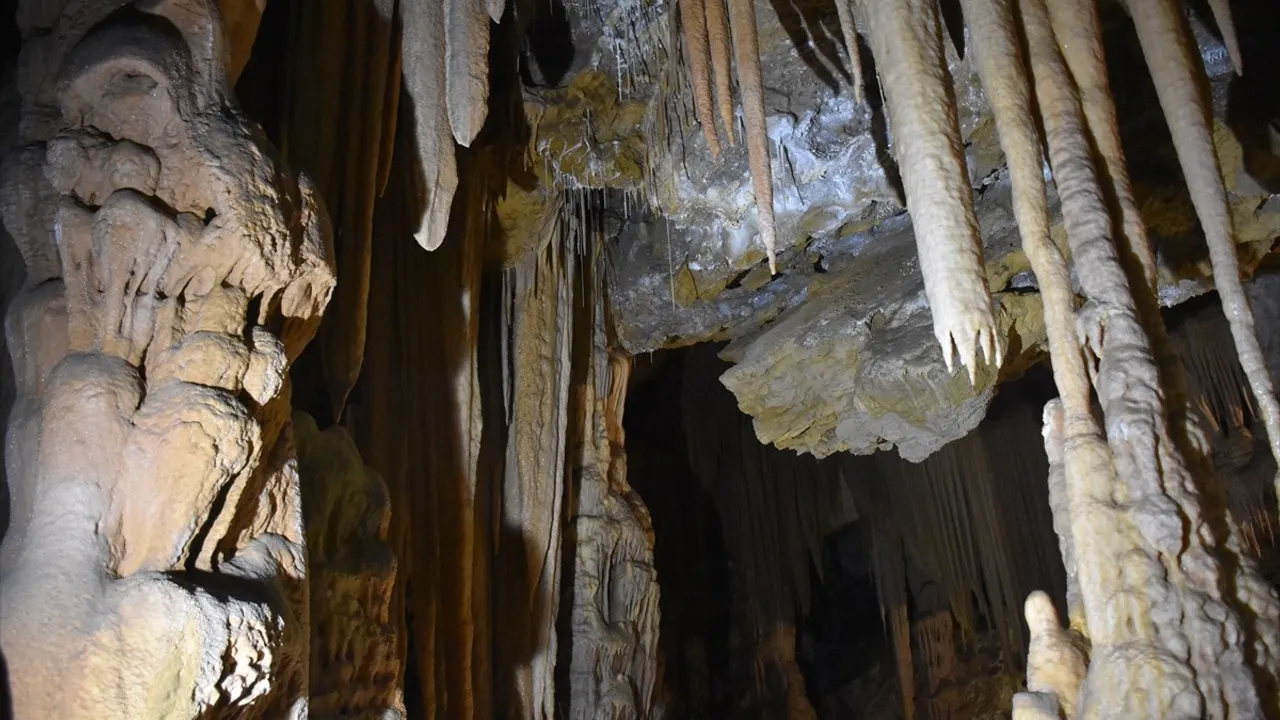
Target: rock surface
{"x": 156, "y": 562}
{"x": 355, "y": 662}
{"x": 689, "y": 268}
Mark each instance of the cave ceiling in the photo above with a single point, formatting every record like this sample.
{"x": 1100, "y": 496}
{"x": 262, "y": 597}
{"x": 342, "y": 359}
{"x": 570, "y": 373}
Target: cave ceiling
{"x": 835, "y": 352}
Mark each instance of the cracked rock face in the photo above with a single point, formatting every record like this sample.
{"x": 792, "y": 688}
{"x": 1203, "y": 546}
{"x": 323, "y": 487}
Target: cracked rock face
{"x": 841, "y": 335}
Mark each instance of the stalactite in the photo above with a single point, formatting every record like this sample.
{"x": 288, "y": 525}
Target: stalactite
{"x": 996, "y": 556}
{"x": 1130, "y": 619}
{"x": 901, "y": 632}
{"x": 848, "y": 28}
{"x": 1078, "y": 29}
{"x": 935, "y": 636}
{"x": 1221, "y": 10}
{"x": 906, "y": 40}
{"x": 746, "y": 48}
{"x": 1218, "y": 388}
{"x": 1166, "y": 44}
{"x": 425, "y": 70}
{"x": 496, "y": 8}
{"x": 720, "y": 47}
{"x": 529, "y": 553}
{"x": 466, "y": 43}
{"x": 1001, "y": 67}
{"x": 428, "y": 382}
{"x": 775, "y": 508}
{"x": 693, "y": 22}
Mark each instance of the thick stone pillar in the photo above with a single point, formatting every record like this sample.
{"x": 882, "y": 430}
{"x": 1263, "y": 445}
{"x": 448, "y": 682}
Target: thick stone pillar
{"x": 156, "y": 563}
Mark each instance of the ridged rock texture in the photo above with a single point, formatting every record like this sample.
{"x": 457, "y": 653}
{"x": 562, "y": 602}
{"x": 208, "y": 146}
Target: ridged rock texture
{"x": 355, "y": 663}
{"x": 430, "y": 511}
{"x": 156, "y": 563}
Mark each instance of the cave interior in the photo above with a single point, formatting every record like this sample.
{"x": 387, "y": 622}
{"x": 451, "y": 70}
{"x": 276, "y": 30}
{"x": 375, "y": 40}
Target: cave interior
{"x": 615, "y": 359}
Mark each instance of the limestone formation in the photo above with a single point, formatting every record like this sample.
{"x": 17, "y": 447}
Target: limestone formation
{"x": 1157, "y": 619}
{"x": 906, "y": 39}
{"x": 613, "y": 618}
{"x": 355, "y": 664}
{"x": 1057, "y": 660}
{"x": 746, "y": 51}
{"x": 156, "y": 565}
{"x": 438, "y": 513}
{"x": 1165, "y": 39}
{"x": 340, "y": 133}
{"x": 693, "y": 20}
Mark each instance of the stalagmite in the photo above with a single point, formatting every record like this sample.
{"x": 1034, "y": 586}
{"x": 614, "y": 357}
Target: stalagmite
{"x": 613, "y": 666}
{"x": 1078, "y": 29}
{"x": 1166, "y": 44}
{"x": 1056, "y": 659}
{"x": 906, "y": 40}
{"x": 1159, "y": 619}
{"x": 425, "y": 69}
{"x": 356, "y": 666}
{"x": 466, "y": 42}
{"x": 746, "y": 48}
{"x": 719, "y": 45}
{"x": 693, "y": 22}
{"x": 849, "y": 28}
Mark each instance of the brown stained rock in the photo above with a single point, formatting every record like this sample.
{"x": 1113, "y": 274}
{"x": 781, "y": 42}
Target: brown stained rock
{"x": 355, "y": 661}
{"x": 335, "y": 131}
{"x": 240, "y": 19}
{"x": 156, "y": 565}
{"x": 529, "y": 560}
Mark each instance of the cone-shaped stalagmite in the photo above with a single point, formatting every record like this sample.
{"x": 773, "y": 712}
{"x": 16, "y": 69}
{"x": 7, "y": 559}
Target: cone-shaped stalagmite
{"x": 1167, "y": 45}
{"x": 906, "y": 40}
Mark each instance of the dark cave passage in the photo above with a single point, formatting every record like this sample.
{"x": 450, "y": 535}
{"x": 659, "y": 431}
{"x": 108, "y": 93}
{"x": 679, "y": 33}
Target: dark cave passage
{"x": 749, "y": 538}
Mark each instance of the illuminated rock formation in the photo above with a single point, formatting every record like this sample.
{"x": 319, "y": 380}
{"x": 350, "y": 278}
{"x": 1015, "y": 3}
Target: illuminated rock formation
{"x": 156, "y": 562}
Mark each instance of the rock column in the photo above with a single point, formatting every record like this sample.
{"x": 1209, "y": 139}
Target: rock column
{"x": 156, "y": 562}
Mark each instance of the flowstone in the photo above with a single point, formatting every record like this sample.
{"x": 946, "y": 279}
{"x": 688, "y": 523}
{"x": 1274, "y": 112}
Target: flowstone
{"x": 156, "y": 562}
